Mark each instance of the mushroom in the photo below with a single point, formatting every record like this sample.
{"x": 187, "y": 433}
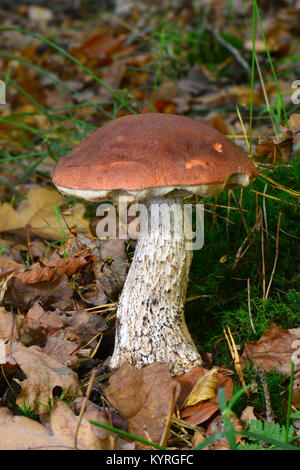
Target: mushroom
{"x": 159, "y": 159}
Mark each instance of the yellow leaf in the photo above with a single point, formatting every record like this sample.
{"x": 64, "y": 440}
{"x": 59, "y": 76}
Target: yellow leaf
{"x": 204, "y": 388}
{"x": 37, "y": 211}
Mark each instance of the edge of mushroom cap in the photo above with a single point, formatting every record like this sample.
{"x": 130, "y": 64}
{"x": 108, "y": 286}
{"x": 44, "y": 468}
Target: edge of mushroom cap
{"x": 203, "y": 190}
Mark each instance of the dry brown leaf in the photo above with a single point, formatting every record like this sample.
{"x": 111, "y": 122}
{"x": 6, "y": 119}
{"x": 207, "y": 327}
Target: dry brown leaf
{"x": 115, "y": 420}
{"x": 6, "y": 325}
{"x": 52, "y": 270}
{"x": 63, "y": 351}
{"x": 197, "y": 439}
{"x": 273, "y": 350}
{"x": 63, "y": 424}
{"x": 7, "y": 266}
{"x": 38, "y": 212}
{"x": 143, "y": 397}
{"x": 38, "y": 324}
{"x": 248, "y": 414}
{"x": 294, "y": 122}
{"x": 276, "y": 150}
{"x": 44, "y": 375}
{"x": 102, "y": 46}
{"x": 56, "y": 293}
{"x": 20, "y": 432}
{"x": 278, "y": 38}
{"x": 187, "y": 381}
{"x": 82, "y": 326}
{"x": 217, "y": 122}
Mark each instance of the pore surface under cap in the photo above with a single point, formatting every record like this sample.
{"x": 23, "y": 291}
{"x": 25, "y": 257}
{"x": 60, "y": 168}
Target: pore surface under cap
{"x": 138, "y": 152}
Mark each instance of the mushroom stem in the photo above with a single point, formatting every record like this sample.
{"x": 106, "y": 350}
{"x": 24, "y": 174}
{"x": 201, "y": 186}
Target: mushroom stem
{"x": 150, "y": 316}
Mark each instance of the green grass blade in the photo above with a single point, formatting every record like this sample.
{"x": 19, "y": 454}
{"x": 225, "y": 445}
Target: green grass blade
{"x": 271, "y": 64}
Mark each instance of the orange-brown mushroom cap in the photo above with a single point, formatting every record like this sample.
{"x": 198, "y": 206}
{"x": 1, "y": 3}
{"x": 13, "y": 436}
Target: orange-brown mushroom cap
{"x": 148, "y": 155}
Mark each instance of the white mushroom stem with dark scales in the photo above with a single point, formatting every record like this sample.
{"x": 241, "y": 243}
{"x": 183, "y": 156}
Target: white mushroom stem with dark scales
{"x": 150, "y": 316}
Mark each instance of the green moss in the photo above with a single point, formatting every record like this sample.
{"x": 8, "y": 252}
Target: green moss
{"x": 277, "y": 391}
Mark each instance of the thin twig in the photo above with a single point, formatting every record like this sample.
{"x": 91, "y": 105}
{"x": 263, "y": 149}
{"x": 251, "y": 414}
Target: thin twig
{"x": 265, "y": 211}
{"x": 83, "y": 408}
{"x": 240, "y": 255}
{"x": 97, "y": 347}
{"x": 228, "y": 46}
{"x": 242, "y": 217}
{"x": 164, "y": 437}
{"x": 235, "y": 356}
{"x": 249, "y": 307}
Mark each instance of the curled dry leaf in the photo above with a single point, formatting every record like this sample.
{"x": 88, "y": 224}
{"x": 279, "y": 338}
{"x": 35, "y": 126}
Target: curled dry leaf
{"x": 60, "y": 335}
{"x": 44, "y": 374}
{"x": 82, "y": 326}
{"x": 52, "y": 270}
{"x": 111, "y": 269}
{"x": 248, "y": 414}
{"x": 203, "y": 410}
{"x": 7, "y": 331}
{"x": 143, "y": 397}
{"x": 204, "y": 388}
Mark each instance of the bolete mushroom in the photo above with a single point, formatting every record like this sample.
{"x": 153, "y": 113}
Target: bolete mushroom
{"x": 159, "y": 159}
